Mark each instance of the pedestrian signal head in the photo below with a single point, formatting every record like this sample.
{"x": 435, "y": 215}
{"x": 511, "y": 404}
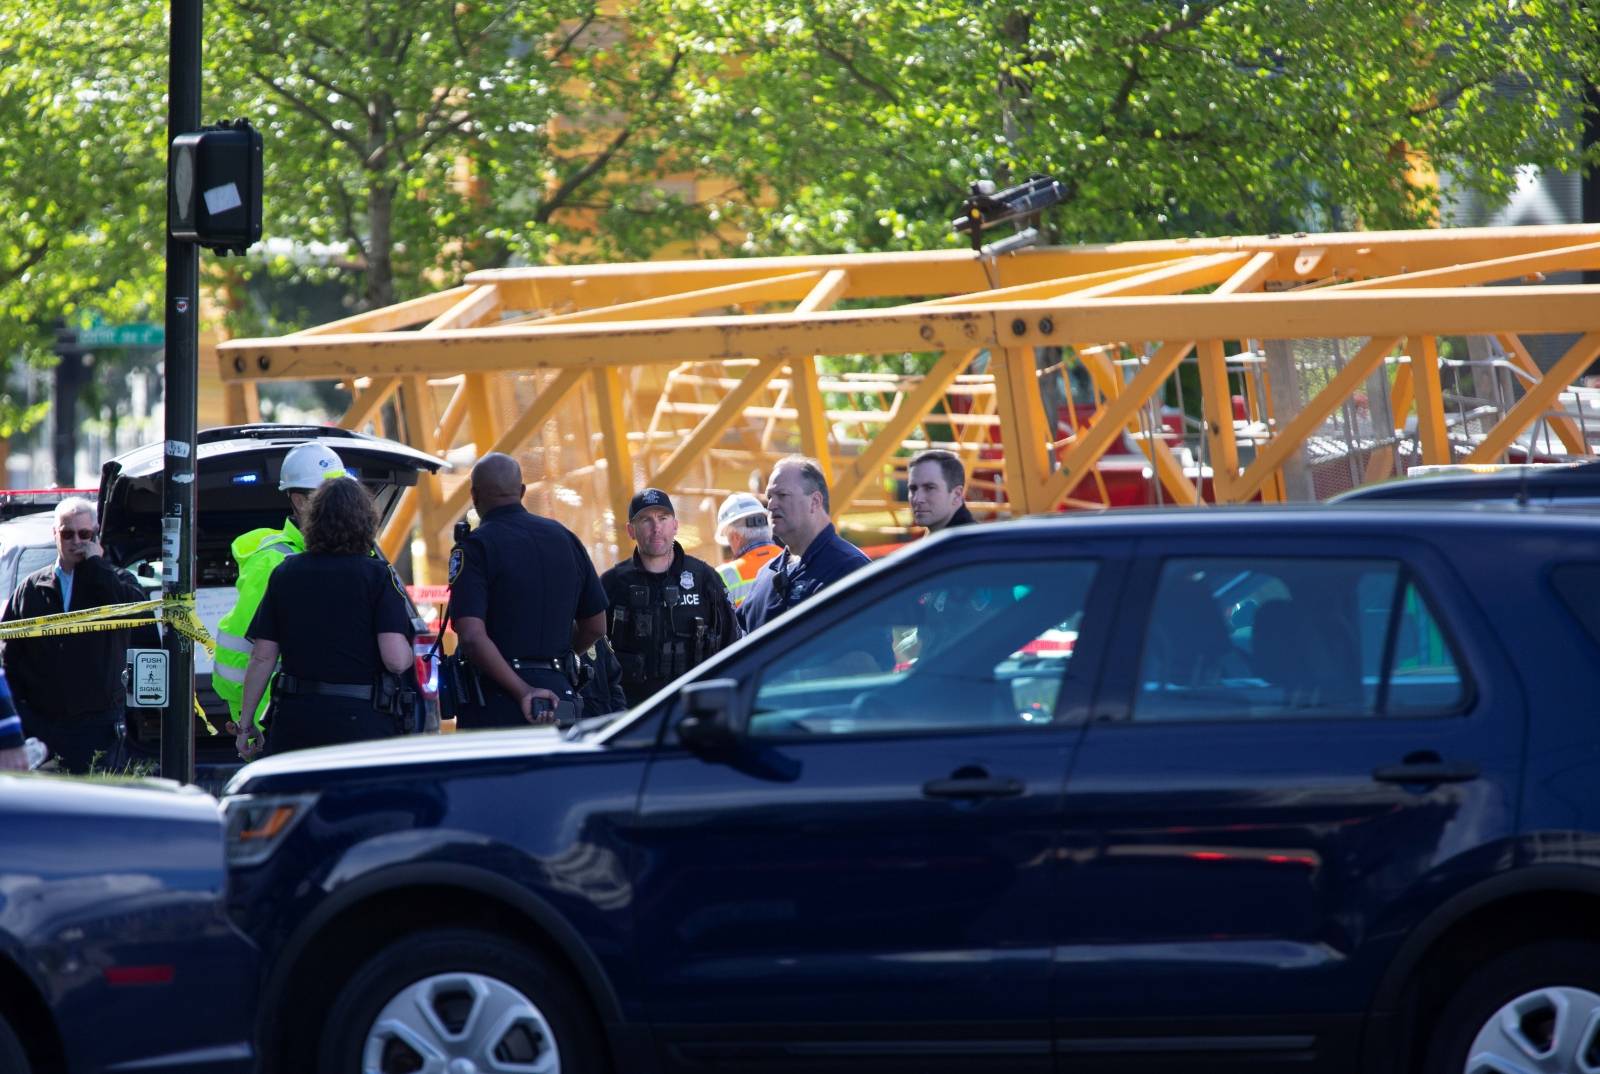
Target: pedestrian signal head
{"x": 740, "y": 505}
{"x": 307, "y": 466}
{"x": 214, "y": 187}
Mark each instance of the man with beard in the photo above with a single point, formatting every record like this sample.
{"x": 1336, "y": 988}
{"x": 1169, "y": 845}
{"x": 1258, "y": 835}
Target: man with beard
{"x": 668, "y": 611}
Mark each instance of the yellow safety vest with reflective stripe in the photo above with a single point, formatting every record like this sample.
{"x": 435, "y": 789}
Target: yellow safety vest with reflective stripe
{"x": 258, "y": 554}
{"x": 740, "y": 574}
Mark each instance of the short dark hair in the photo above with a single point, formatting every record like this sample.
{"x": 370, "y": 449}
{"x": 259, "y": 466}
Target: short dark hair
{"x": 810, "y": 475}
{"x": 341, "y": 519}
{"x": 950, "y": 467}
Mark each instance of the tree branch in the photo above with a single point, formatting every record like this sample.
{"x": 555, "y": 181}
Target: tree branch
{"x": 35, "y": 255}
{"x": 347, "y": 212}
{"x": 576, "y": 180}
{"x": 319, "y": 80}
{"x": 402, "y": 45}
{"x": 572, "y": 38}
{"x": 466, "y": 45}
{"x": 855, "y": 72}
{"x": 455, "y": 126}
{"x": 1451, "y": 96}
{"x": 455, "y": 26}
{"x": 1158, "y": 36}
{"x": 1197, "y": 14}
{"x": 424, "y": 130}
{"x": 260, "y": 12}
{"x": 305, "y": 108}
{"x": 1122, "y": 98}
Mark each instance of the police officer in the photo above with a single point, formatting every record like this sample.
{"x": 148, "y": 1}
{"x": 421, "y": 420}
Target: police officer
{"x": 525, "y": 598}
{"x": 602, "y": 692}
{"x": 743, "y": 525}
{"x": 669, "y": 611}
{"x": 259, "y": 553}
{"x": 341, "y": 624}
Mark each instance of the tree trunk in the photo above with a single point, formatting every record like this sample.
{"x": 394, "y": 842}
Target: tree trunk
{"x": 380, "y": 205}
{"x": 380, "y": 240}
{"x": 1016, "y": 121}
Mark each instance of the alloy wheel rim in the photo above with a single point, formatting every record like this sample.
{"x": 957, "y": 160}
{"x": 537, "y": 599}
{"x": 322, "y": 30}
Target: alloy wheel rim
{"x": 1553, "y": 1030}
{"x": 460, "y": 1023}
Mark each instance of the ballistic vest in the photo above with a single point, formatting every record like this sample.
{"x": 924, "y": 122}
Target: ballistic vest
{"x": 258, "y": 554}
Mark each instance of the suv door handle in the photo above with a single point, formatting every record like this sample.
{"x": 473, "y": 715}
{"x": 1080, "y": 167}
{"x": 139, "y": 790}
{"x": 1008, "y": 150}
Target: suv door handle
{"x": 973, "y": 787}
{"x": 1427, "y": 772}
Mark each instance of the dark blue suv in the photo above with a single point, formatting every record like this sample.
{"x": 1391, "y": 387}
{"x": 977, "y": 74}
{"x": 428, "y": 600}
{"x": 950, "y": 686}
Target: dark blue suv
{"x": 116, "y": 952}
{"x": 1311, "y": 789}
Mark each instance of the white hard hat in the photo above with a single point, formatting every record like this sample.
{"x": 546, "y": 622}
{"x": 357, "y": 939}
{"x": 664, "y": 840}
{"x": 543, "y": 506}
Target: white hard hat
{"x": 307, "y": 466}
{"x": 739, "y": 505}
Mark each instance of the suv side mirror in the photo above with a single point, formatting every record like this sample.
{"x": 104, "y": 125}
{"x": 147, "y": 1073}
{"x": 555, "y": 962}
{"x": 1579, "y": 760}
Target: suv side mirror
{"x": 710, "y": 721}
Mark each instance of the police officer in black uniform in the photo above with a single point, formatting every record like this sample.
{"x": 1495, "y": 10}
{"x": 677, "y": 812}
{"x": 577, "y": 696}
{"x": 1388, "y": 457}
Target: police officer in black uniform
{"x": 669, "y": 611}
{"x": 525, "y": 598}
{"x": 342, "y": 627}
{"x": 602, "y": 691}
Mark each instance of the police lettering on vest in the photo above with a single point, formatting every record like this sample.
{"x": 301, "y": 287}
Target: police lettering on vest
{"x": 662, "y": 624}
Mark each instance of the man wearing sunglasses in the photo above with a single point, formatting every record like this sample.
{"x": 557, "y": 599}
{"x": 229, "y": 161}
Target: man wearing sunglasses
{"x": 68, "y": 687}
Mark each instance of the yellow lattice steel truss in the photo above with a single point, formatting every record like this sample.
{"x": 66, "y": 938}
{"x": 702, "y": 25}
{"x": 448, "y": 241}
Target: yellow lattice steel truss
{"x": 1043, "y": 368}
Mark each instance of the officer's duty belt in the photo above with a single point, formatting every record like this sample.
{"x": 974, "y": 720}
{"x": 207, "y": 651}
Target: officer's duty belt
{"x": 548, "y": 663}
{"x": 289, "y": 685}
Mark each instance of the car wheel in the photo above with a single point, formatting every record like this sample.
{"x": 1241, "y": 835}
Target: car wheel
{"x": 13, "y": 1056}
{"x": 459, "y": 1000}
{"x": 1534, "y": 1008}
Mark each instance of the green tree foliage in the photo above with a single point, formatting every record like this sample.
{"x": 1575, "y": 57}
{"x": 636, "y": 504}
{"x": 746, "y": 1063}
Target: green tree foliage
{"x": 422, "y": 139}
{"x": 863, "y": 120}
{"x": 428, "y": 139}
{"x": 82, "y": 137}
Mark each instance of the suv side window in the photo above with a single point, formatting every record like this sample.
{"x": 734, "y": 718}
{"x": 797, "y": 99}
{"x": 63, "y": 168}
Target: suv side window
{"x": 1239, "y": 638}
{"x": 1578, "y": 586}
{"x": 979, "y": 646}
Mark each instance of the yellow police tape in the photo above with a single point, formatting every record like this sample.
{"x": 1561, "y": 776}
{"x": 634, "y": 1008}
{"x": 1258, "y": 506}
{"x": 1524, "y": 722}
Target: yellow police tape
{"x": 177, "y": 612}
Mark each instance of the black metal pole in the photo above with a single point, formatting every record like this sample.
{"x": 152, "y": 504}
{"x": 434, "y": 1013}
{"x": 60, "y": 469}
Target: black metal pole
{"x": 182, "y": 370}
{"x": 68, "y": 383}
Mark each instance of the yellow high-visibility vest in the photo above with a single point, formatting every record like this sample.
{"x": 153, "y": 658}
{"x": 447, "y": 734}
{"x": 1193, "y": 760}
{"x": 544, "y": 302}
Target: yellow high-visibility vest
{"x": 258, "y": 554}
{"x": 740, "y": 574}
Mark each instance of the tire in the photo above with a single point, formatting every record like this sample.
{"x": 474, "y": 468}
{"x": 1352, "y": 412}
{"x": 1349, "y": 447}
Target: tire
{"x": 13, "y": 1056}
{"x": 1539, "y": 1004}
{"x": 426, "y": 995}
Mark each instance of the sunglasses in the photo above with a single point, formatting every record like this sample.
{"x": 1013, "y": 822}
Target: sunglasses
{"x": 82, "y": 535}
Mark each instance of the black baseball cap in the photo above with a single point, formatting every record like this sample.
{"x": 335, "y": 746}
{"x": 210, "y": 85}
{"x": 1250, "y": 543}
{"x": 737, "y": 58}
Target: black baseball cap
{"x": 649, "y": 498}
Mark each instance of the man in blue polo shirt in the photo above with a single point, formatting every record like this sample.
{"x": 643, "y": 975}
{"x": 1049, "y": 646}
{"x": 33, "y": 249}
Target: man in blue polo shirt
{"x": 815, "y": 555}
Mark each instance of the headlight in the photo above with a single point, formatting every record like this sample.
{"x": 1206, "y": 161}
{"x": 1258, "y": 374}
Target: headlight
{"x": 258, "y": 823}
